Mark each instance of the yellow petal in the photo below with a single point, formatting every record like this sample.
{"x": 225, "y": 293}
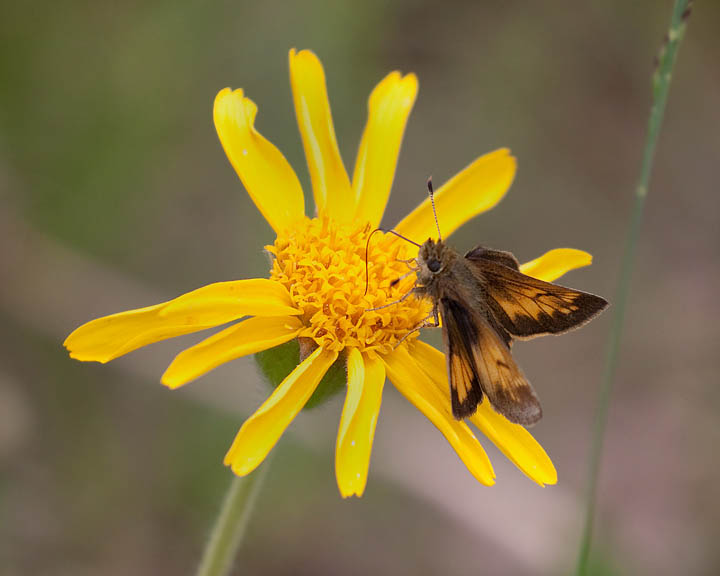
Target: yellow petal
{"x": 416, "y": 386}
{"x": 389, "y": 107}
{"x": 330, "y": 182}
{"x": 366, "y": 378}
{"x": 474, "y": 190}
{"x": 108, "y": 337}
{"x": 246, "y": 337}
{"x": 516, "y": 443}
{"x": 263, "y": 429}
{"x": 512, "y": 439}
{"x": 555, "y": 263}
{"x": 266, "y": 175}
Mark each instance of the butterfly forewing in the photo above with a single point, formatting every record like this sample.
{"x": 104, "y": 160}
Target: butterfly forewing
{"x": 479, "y": 361}
{"x": 465, "y": 389}
{"x": 527, "y": 307}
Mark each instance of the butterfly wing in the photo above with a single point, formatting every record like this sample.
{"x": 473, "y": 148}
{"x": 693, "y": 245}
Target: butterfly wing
{"x": 458, "y": 332}
{"x": 527, "y": 307}
{"x": 479, "y": 361}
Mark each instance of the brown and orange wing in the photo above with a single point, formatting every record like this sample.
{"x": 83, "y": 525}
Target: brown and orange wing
{"x": 527, "y": 307}
{"x": 458, "y": 331}
{"x": 479, "y": 362}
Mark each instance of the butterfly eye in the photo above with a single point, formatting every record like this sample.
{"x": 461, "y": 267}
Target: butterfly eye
{"x": 434, "y": 265}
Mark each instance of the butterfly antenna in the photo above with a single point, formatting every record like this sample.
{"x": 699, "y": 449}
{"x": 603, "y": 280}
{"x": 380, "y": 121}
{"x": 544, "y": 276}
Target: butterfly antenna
{"x": 432, "y": 201}
{"x": 367, "y": 248}
{"x": 402, "y": 237}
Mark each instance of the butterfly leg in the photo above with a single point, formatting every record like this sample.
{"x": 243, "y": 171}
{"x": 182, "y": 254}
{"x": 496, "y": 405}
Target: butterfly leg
{"x": 436, "y": 316}
{"x": 424, "y": 324}
{"x": 399, "y": 279}
{"x": 404, "y": 297}
{"x": 409, "y": 261}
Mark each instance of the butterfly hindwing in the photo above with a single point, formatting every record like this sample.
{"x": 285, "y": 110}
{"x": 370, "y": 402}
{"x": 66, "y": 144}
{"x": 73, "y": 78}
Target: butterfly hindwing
{"x": 499, "y": 256}
{"x": 527, "y": 307}
{"x": 480, "y": 362}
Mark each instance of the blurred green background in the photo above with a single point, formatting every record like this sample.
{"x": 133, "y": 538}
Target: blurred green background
{"x": 115, "y": 193}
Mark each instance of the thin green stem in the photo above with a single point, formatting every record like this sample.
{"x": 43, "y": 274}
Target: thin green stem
{"x": 661, "y": 86}
{"x": 229, "y": 529}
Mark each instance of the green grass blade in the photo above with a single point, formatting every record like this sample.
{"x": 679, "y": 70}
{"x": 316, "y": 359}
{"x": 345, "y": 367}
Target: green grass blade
{"x": 661, "y": 86}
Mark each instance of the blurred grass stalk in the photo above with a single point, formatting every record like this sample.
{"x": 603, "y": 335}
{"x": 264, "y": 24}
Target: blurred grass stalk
{"x": 661, "y": 85}
{"x": 227, "y": 534}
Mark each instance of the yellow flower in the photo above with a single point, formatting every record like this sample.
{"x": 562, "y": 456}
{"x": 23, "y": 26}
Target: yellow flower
{"x": 317, "y": 286}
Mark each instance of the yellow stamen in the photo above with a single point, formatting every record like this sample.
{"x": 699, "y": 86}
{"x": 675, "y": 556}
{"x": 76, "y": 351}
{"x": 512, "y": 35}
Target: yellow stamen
{"x": 322, "y": 264}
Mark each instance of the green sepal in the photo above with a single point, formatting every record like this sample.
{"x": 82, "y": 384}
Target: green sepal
{"x": 275, "y": 365}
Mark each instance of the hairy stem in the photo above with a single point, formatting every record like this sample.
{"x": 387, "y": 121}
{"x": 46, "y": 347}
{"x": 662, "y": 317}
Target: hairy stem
{"x": 229, "y": 529}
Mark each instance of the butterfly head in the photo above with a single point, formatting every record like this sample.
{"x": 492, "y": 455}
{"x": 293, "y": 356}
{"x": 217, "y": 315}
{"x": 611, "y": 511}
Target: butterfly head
{"x": 433, "y": 258}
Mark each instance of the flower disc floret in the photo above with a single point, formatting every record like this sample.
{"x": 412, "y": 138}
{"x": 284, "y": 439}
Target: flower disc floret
{"x": 322, "y": 264}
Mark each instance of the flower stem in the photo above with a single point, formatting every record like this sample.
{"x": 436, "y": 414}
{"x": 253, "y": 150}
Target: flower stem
{"x": 661, "y": 86}
{"x": 229, "y": 529}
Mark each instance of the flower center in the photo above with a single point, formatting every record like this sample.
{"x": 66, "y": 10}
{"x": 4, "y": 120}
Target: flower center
{"x": 322, "y": 264}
